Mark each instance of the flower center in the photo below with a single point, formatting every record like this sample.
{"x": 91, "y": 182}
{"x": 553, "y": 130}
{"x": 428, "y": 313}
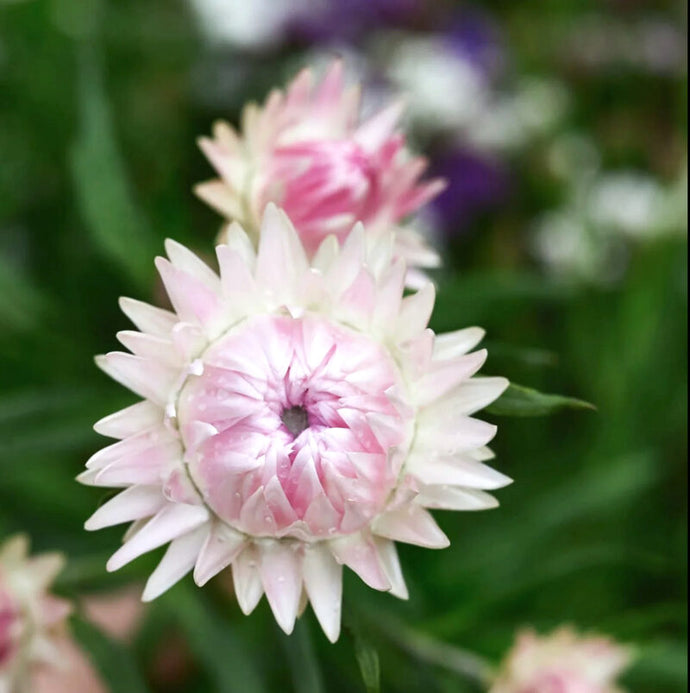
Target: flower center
{"x": 291, "y": 427}
{"x": 295, "y": 419}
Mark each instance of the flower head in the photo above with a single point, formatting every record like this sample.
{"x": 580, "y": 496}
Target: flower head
{"x": 298, "y": 415}
{"x": 29, "y": 616}
{"x": 307, "y": 151}
{"x": 562, "y": 662}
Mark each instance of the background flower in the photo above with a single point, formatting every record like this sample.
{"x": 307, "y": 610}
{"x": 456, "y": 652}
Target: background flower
{"x": 307, "y": 151}
{"x": 30, "y": 617}
{"x": 562, "y": 661}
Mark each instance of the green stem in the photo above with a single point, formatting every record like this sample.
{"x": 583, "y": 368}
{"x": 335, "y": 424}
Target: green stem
{"x": 427, "y": 649}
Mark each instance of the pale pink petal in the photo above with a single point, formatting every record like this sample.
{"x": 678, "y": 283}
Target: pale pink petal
{"x": 220, "y": 549}
{"x": 361, "y": 555}
{"x": 391, "y": 566}
{"x": 326, "y": 254}
{"x": 469, "y": 397}
{"x": 170, "y": 523}
{"x": 178, "y": 560}
{"x": 372, "y": 134}
{"x": 148, "y": 378}
{"x": 413, "y": 525}
{"x": 415, "y": 313}
{"x": 155, "y": 321}
{"x": 131, "y": 504}
{"x": 453, "y": 498}
{"x": 456, "y": 470}
{"x": 452, "y": 344}
{"x": 280, "y": 573}
{"x": 130, "y": 421}
{"x": 148, "y": 346}
{"x": 323, "y": 582}
{"x": 389, "y": 296}
{"x": 185, "y": 260}
{"x": 216, "y": 194}
{"x": 347, "y": 265}
{"x": 193, "y": 300}
{"x": 443, "y": 376}
{"x": 452, "y": 434}
{"x": 245, "y": 575}
{"x": 281, "y": 260}
{"x": 238, "y": 241}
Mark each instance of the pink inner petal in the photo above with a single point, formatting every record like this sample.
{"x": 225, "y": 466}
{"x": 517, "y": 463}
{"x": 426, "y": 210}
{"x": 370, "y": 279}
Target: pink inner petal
{"x": 290, "y": 400}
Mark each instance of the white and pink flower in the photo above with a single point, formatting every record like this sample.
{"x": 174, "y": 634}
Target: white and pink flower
{"x": 298, "y": 416}
{"x": 31, "y": 619}
{"x": 307, "y": 151}
{"x": 562, "y": 662}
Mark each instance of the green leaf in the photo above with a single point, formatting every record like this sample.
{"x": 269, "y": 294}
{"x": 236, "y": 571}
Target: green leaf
{"x": 304, "y": 664}
{"x": 491, "y": 297}
{"x": 114, "y": 661}
{"x": 215, "y": 643}
{"x": 368, "y": 660}
{"x": 518, "y": 400}
{"x": 100, "y": 181}
{"x": 662, "y": 663}
{"x": 21, "y": 303}
{"x": 66, "y": 417}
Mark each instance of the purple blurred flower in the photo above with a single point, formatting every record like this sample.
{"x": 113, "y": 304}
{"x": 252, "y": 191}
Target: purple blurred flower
{"x": 329, "y": 20}
{"x": 476, "y": 182}
{"x": 476, "y": 37}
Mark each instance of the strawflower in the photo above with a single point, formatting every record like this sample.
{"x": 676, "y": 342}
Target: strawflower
{"x": 307, "y": 151}
{"x": 298, "y": 416}
{"x": 30, "y": 618}
{"x": 562, "y": 662}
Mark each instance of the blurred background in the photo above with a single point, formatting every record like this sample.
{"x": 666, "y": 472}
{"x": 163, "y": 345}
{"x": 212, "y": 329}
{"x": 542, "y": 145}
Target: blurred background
{"x": 561, "y": 128}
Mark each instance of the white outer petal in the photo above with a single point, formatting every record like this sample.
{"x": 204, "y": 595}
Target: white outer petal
{"x": 245, "y": 576}
{"x": 178, "y": 560}
{"x": 219, "y": 550}
{"x": 130, "y": 421}
{"x": 411, "y": 524}
{"x": 147, "y": 318}
{"x": 323, "y": 582}
{"x": 281, "y": 577}
{"x": 189, "y": 262}
{"x": 134, "y": 503}
{"x": 171, "y": 522}
{"x": 444, "y": 497}
{"x": 454, "y": 344}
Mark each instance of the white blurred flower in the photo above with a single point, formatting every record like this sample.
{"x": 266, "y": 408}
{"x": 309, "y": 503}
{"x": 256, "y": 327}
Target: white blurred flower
{"x": 511, "y": 120}
{"x": 571, "y": 249}
{"x": 250, "y": 25}
{"x": 590, "y": 236}
{"x": 628, "y": 202}
{"x": 445, "y": 90}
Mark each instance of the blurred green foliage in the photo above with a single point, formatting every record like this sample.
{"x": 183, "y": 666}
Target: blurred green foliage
{"x": 100, "y": 104}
